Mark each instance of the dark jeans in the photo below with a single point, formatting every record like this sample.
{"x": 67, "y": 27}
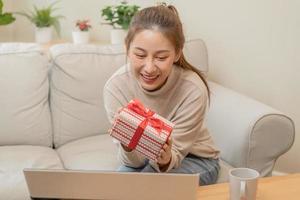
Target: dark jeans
{"x": 208, "y": 168}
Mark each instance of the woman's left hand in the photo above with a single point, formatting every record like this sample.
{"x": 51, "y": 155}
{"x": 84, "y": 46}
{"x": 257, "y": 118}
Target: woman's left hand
{"x": 165, "y": 155}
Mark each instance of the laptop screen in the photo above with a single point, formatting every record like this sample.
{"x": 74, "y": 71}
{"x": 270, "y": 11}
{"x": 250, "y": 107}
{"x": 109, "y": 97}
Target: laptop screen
{"x": 77, "y": 184}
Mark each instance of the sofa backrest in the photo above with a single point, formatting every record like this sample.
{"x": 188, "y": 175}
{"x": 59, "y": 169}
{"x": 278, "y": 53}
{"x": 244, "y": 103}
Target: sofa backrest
{"x": 78, "y": 75}
{"x": 195, "y": 52}
{"x": 24, "y": 87}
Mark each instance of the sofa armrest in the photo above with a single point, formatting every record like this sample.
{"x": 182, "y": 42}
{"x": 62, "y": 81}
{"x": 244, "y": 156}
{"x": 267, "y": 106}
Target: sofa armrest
{"x": 248, "y": 133}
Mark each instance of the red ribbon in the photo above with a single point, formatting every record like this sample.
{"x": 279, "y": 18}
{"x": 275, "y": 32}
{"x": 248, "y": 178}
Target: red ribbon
{"x": 137, "y": 107}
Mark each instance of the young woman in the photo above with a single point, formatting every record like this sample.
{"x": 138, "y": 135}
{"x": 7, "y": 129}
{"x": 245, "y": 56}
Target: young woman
{"x": 159, "y": 76}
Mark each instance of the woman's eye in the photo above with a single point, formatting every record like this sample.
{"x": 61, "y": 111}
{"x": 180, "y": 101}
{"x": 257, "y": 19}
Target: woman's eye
{"x": 140, "y": 56}
{"x": 162, "y": 58}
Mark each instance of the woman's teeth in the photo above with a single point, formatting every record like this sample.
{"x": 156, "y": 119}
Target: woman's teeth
{"x": 149, "y": 79}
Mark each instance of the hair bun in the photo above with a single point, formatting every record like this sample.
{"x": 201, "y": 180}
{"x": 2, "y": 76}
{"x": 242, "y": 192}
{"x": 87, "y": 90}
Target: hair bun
{"x": 161, "y": 3}
{"x": 171, "y": 7}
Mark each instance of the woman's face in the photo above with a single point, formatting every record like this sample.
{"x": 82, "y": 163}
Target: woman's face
{"x": 151, "y": 56}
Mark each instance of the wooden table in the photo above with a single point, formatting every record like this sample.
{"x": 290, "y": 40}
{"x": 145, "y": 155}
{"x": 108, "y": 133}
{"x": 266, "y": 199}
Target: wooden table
{"x": 270, "y": 188}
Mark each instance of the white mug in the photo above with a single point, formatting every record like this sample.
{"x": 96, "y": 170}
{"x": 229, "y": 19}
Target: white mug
{"x": 243, "y": 183}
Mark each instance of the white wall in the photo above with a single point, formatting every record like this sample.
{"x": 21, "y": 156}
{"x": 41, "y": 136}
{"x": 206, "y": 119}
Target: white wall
{"x": 253, "y": 46}
{"x": 72, "y": 10}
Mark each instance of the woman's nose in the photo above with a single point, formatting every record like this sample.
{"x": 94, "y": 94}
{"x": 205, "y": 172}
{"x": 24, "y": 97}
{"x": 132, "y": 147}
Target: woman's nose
{"x": 149, "y": 66}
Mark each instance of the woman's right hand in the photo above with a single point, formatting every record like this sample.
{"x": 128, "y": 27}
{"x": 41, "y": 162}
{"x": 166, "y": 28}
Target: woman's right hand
{"x": 126, "y": 148}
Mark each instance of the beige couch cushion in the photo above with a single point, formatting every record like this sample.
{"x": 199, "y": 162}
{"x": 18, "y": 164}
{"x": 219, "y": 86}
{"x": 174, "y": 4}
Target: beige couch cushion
{"x": 14, "y": 159}
{"x": 196, "y": 54}
{"x": 25, "y": 115}
{"x": 91, "y": 153}
{"x": 79, "y": 73}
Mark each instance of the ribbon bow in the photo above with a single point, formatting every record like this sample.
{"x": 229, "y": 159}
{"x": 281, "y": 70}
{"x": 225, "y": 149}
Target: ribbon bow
{"x": 137, "y": 107}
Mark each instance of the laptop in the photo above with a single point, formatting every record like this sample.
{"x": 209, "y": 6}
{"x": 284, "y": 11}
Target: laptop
{"x": 106, "y": 185}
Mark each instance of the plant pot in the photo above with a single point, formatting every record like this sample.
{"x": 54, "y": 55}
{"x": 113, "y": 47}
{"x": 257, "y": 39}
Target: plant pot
{"x": 117, "y": 36}
{"x": 81, "y": 37}
{"x": 43, "y": 35}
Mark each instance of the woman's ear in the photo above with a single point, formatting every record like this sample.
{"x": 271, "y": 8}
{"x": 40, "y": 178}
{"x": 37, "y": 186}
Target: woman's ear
{"x": 178, "y": 55}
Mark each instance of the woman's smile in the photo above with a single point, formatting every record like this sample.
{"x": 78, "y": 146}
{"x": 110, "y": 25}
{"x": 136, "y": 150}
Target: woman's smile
{"x": 149, "y": 79}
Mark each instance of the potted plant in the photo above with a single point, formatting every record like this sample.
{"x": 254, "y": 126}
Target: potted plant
{"x": 82, "y": 35}
{"x": 5, "y": 18}
{"x": 119, "y": 17}
{"x": 44, "y": 20}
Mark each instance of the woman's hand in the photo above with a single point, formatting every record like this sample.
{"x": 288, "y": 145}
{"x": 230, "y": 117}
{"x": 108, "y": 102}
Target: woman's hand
{"x": 165, "y": 155}
{"x": 126, "y": 148}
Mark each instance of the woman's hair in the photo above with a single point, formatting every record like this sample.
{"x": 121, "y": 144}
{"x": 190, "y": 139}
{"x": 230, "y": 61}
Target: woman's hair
{"x": 166, "y": 20}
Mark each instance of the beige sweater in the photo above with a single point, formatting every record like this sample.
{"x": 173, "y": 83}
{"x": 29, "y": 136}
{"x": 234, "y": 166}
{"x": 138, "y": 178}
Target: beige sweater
{"x": 183, "y": 100}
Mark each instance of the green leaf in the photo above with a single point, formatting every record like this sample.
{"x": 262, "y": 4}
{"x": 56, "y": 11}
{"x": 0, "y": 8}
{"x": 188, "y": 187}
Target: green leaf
{"x": 43, "y": 17}
{"x": 6, "y": 18}
{"x": 119, "y": 16}
{"x": 1, "y": 6}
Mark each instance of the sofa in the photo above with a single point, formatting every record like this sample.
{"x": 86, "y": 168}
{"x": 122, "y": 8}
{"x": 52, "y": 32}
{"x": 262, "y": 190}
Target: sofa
{"x": 52, "y": 114}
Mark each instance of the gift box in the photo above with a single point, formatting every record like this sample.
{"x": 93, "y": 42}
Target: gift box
{"x": 141, "y": 129}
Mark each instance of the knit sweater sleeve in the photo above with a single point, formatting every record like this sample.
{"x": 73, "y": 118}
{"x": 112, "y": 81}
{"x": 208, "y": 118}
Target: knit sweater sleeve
{"x": 113, "y": 101}
{"x": 188, "y": 121}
